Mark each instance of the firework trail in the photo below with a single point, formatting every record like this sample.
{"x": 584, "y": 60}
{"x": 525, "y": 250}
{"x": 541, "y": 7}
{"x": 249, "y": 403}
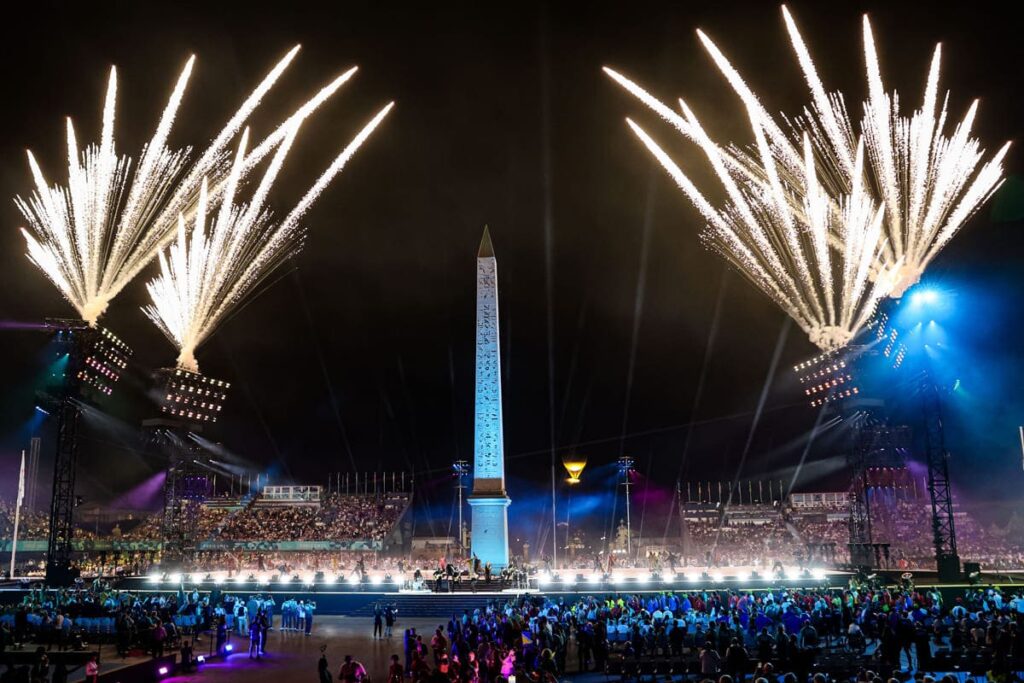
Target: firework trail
{"x": 824, "y": 220}
{"x": 778, "y": 232}
{"x": 929, "y": 180}
{"x": 91, "y": 236}
{"x": 209, "y": 270}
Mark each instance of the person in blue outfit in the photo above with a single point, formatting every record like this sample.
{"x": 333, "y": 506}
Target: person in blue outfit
{"x": 310, "y": 606}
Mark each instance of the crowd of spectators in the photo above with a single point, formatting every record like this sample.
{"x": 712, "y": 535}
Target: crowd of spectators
{"x": 337, "y": 517}
{"x": 856, "y": 634}
{"x": 32, "y": 524}
{"x": 90, "y": 613}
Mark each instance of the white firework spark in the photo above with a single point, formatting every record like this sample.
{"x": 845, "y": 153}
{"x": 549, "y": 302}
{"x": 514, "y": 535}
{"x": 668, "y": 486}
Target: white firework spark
{"x": 778, "y": 236}
{"x": 827, "y": 239}
{"x": 930, "y": 180}
{"x": 91, "y": 236}
{"x": 207, "y": 272}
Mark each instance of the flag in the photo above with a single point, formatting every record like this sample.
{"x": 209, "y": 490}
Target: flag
{"x": 21, "y": 481}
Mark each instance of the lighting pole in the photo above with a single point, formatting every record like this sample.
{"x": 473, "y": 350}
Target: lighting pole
{"x": 461, "y": 469}
{"x": 625, "y": 469}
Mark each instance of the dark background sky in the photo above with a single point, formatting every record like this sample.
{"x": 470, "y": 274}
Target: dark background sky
{"x": 362, "y": 352}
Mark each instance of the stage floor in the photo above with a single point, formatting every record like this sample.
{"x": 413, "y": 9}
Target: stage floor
{"x": 293, "y": 656}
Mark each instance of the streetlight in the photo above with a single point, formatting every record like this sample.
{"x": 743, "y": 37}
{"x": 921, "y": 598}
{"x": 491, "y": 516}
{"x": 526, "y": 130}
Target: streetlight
{"x": 625, "y": 464}
{"x": 460, "y": 469}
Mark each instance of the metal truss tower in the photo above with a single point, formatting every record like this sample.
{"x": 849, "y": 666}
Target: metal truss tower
{"x": 947, "y": 559}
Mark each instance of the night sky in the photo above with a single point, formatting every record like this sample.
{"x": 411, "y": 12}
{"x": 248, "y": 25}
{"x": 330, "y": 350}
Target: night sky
{"x": 360, "y": 355}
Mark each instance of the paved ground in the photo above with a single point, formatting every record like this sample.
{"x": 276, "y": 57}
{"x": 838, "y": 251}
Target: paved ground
{"x": 293, "y": 656}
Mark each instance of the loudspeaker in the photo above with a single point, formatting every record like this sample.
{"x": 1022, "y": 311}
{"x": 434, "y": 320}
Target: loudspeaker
{"x": 972, "y": 568}
{"x": 949, "y": 569}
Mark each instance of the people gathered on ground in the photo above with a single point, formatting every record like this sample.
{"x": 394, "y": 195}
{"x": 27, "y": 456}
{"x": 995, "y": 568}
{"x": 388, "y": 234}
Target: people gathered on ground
{"x": 743, "y": 634}
{"x": 767, "y": 634}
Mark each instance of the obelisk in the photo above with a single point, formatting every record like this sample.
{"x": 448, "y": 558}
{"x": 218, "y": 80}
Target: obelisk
{"x": 488, "y": 499}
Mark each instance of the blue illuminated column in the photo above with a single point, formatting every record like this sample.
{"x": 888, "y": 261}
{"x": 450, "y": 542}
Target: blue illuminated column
{"x": 488, "y": 499}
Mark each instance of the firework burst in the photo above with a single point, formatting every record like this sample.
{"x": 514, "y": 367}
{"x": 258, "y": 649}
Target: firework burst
{"x": 822, "y": 219}
{"x": 95, "y": 233}
{"x": 929, "y": 175}
{"x": 209, "y": 270}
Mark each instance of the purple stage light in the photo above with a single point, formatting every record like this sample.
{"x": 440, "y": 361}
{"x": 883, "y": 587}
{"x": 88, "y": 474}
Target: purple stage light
{"x": 21, "y": 325}
{"x": 144, "y": 496}
{"x": 229, "y": 647}
{"x": 162, "y": 671}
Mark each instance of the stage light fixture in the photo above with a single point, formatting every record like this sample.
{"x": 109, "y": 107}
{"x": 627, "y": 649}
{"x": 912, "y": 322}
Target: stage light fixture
{"x": 376, "y": 579}
{"x": 924, "y": 297}
{"x": 717, "y": 577}
{"x": 154, "y": 577}
{"x": 201, "y": 659}
{"x": 742, "y": 576}
{"x": 229, "y": 647}
{"x": 818, "y": 574}
{"x": 543, "y": 579}
{"x": 594, "y": 578}
{"x": 668, "y": 577}
{"x": 690, "y": 576}
{"x": 189, "y": 396}
{"x": 353, "y": 579}
{"x": 174, "y": 578}
{"x": 163, "y": 671}
{"x": 96, "y": 357}
{"x": 330, "y": 579}
{"x": 309, "y": 579}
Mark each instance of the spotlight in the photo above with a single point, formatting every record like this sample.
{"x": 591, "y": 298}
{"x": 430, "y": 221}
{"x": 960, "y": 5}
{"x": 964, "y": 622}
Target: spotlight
{"x": 569, "y": 580}
{"x": 263, "y": 579}
{"x": 330, "y": 578}
{"x": 717, "y": 577}
{"x": 643, "y": 578}
{"x": 691, "y": 576}
{"x": 163, "y": 671}
{"x": 617, "y": 577}
{"x": 353, "y": 579}
{"x": 543, "y": 579}
{"x": 201, "y": 659}
{"x": 377, "y": 579}
{"x": 284, "y": 578}
{"x": 174, "y": 578}
{"x": 818, "y": 574}
{"x": 229, "y": 647}
{"x": 742, "y": 576}
{"x": 309, "y": 579}
{"x": 594, "y": 578}
{"x": 668, "y": 577}
{"x": 924, "y": 297}
{"x": 154, "y": 577}
{"x": 218, "y": 580}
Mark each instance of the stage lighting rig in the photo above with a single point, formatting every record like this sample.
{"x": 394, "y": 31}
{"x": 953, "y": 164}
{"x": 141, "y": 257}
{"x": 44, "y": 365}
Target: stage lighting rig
{"x": 827, "y": 377}
{"x": 89, "y": 360}
{"x": 88, "y": 364}
{"x": 190, "y": 397}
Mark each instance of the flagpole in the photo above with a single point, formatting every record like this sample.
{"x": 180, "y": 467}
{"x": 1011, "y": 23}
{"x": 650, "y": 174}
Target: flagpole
{"x": 17, "y": 514}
